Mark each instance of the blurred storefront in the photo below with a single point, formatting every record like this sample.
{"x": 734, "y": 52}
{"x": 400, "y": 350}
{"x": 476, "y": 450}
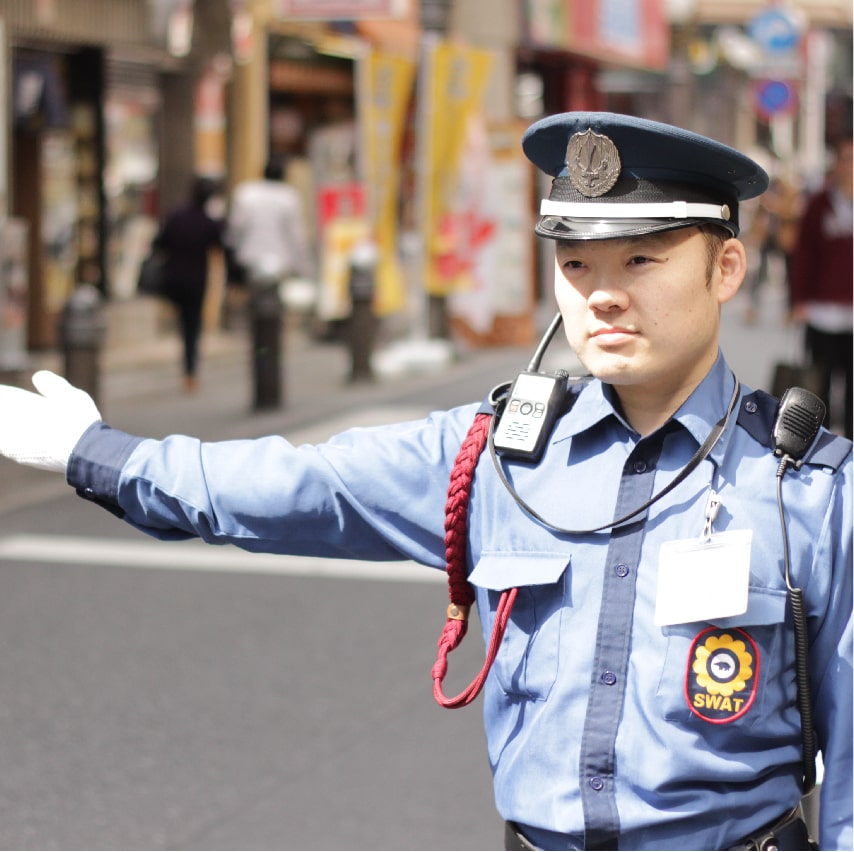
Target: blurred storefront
{"x": 569, "y": 43}
{"x": 765, "y": 76}
{"x": 401, "y": 119}
{"x": 56, "y": 147}
{"x": 94, "y": 90}
{"x": 447, "y": 192}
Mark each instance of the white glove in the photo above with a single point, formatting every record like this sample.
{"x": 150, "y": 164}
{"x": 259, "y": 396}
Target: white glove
{"x": 41, "y": 429}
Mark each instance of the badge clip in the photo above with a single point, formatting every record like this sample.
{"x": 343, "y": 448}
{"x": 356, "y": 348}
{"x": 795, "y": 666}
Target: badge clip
{"x": 712, "y": 508}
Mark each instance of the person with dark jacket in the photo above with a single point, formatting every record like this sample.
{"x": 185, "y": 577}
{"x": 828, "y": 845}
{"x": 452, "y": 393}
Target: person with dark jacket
{"x": 186, "y": 239}
{"x": 822, "y": 282}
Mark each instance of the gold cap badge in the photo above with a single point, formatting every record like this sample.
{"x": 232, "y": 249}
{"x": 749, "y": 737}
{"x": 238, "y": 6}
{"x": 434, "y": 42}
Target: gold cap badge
{"x": 593, "y": 163}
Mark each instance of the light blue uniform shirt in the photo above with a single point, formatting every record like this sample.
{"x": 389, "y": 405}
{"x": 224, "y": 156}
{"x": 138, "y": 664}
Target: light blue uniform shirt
{"x": 599, "y": 724}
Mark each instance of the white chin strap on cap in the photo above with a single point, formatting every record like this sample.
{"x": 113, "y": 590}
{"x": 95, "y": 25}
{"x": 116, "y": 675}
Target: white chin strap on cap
{"x": 636, "y": 211}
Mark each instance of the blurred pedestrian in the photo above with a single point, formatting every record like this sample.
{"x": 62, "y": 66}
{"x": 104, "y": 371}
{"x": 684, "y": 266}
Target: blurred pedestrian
{"x": 267, "y": 228}
{"x": 773, "y": 232}
{"x": 186, "y": 238}
{"x": 822, "y": 283}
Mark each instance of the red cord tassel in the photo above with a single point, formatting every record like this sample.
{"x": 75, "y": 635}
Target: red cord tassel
{"x": 460, "y": 590}
{"x": 451, "y": 638}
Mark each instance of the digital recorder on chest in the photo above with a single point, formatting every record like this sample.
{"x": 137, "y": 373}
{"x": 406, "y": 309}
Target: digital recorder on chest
{"x": 529, "y": 414}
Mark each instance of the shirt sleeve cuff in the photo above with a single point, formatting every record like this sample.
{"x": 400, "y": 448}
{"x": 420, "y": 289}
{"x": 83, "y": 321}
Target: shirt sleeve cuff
{"x": 96, "y": 463}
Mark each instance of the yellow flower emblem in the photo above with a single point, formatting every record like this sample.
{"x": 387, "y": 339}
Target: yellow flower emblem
{"x": 723, "y": 665}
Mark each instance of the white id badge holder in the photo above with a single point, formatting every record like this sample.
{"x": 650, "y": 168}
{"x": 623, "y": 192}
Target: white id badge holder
{"x": 705, "y": 578}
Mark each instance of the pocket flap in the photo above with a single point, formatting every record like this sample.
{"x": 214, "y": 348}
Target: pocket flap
{"x": 764, "y": 606}
{"x": 499, "y": 571}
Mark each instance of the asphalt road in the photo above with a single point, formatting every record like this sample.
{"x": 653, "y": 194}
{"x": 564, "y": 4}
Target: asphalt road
{"x": 198, "y": 698}
{"x": 151, "y": 702}
{"x": 187, "y": 697}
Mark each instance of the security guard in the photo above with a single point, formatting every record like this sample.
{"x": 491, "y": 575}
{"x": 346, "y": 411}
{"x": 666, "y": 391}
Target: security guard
{"x": 648, "y": 691}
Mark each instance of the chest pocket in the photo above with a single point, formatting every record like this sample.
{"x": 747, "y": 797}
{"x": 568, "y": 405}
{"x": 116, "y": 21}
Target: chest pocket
{"x": 527, "y": 662}
{"x": 731, "y": 671}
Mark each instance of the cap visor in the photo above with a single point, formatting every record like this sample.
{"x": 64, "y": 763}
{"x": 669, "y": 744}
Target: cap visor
{"x": 562, "y": 228}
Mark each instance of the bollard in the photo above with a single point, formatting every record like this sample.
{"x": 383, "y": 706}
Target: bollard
{"x": 266, "y": 313}
{"x": 363, "y": 323}
{"x": 82, "y": 330}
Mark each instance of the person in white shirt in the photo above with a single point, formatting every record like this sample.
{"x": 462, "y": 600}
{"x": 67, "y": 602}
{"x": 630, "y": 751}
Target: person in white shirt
{"x": 267, "y": 227}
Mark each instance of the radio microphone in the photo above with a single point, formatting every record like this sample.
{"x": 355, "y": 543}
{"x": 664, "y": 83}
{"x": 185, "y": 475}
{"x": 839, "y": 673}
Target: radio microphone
{"x": 799, "y": 417}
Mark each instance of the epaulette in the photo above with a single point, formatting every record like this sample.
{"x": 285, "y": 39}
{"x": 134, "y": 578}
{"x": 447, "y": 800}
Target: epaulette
{"x": 756, "y": 416}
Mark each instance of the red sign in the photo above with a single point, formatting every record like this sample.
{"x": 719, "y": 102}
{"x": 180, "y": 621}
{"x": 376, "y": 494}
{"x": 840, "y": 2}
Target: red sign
{"x": 344, "y": 201}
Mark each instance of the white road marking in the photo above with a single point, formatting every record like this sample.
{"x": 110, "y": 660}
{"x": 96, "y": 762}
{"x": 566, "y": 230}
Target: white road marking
{"x": 197, "y": 556}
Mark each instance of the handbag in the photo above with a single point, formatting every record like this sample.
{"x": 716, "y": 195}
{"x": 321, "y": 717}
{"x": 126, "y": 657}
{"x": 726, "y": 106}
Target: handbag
{"x": 235, "y": 271}
{"x": 152, "y": 275}
{"x": 798, "y": 372}
{"x": 807, "y": 376}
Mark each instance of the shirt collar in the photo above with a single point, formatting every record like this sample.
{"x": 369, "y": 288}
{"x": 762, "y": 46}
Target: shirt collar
{"x": 708, "y": 404}
{"x": 698, "y": 414}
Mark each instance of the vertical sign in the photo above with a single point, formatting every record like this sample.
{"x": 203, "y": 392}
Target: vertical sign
{"x": 454, "y": 79}
{"x": 209, "y": 123}
{"x": 385, "y": 89}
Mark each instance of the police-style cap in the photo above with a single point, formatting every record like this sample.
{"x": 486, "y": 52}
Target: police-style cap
{"x": 620, "y": 176}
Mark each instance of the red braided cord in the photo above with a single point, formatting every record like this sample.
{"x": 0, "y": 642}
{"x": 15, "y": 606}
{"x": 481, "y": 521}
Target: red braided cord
{"x": 457, "y": 510}
{"x": 460, "y": 590}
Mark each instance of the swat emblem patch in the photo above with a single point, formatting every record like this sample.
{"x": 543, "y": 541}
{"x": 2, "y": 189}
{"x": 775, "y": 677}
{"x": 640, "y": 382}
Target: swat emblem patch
{"x": 722, "y": 675}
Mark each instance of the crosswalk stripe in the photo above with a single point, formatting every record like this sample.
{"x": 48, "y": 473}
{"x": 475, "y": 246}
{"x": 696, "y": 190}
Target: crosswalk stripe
{"x": 197, "y": 556}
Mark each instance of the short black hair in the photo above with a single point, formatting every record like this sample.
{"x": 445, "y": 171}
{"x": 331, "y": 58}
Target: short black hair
{"x": 275, "y": 168}
{"x": 202, "y": 190}
{"x": 715, "y": 237}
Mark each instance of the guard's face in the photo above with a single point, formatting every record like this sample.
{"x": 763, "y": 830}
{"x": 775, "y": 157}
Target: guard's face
{"x": 643, "y": 313}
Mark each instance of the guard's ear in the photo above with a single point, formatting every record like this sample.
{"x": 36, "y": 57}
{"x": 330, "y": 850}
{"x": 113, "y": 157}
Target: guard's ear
{"x": 731, "y": 269}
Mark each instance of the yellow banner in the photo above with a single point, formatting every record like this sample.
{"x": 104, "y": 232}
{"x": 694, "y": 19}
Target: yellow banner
{"x": 385, "y": 89}
{"x": 455, "y": 77}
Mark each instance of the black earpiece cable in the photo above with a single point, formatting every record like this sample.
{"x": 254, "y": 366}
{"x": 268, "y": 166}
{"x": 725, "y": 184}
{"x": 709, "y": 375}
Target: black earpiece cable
{"x": 702, "y": 453}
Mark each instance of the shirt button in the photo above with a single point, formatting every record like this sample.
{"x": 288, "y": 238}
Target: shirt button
{"x": 640, "y": 466}
{"x": 621, "y": 570}
{"x": 596, "y": 783}
{"x": 751, "y": 407}
{"x": 609, "y": 678}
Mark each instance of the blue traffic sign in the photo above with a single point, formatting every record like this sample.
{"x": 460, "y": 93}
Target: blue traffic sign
{"x": 774, "y": 97}
{"x": 775, "y": 30}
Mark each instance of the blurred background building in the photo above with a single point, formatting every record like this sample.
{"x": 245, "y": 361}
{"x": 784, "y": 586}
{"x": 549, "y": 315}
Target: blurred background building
{"x": 401, "y": 119}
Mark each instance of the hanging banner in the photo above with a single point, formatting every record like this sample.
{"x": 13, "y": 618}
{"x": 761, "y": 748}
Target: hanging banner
{"x": 472, "y": 264}
{"x": 454, "y": 79}
{"x": 342, "y": 225}
{"x": 385, "y": 89}
{"x": 497, "y": 300}
{"x": 209, "y": 123}
{"x": 340, "y": 214}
